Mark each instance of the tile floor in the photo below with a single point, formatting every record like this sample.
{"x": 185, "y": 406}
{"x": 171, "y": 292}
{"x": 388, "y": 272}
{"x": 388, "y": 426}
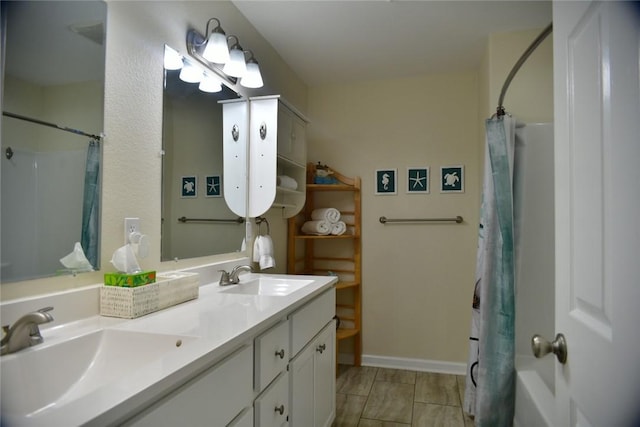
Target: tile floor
{"x": 380, "y": 397}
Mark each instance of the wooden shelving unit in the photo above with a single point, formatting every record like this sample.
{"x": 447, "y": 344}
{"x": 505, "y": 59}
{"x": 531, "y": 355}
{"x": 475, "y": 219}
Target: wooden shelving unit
{"x": 333, "y": 255}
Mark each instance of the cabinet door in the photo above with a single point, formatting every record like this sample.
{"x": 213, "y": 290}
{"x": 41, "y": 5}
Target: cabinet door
{"x": 262, "y": 155}
{"x": 292, "y": 141}
{"x": 324, "y": 376}
{"x": 313, "y": 382}
{"x": 212, "y": 399}
{"x": 301, "y": 402}
{"x": 298, "y": 140}
{"x": 235, "y": 143}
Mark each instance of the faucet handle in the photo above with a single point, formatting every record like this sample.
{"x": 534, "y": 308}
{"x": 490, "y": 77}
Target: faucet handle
{"x": 45, "y": 309}
{"x": 224, "y": 278}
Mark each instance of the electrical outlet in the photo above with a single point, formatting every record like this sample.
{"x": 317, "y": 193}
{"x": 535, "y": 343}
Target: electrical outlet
{"x": 131, "y": 225}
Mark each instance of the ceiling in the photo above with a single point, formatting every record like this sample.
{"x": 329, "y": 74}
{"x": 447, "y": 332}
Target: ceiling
{"x": 332, "y": 42}
{"x": 55, "y": 42}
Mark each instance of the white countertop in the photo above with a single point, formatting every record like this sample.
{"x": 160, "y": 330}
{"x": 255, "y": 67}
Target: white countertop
{"x": 219, "y": 322}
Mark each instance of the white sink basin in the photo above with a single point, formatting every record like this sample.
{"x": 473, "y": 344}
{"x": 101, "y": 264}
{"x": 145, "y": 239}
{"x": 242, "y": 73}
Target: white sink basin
{"x": 48, "y": 375}
{"x": 267, "y": 286}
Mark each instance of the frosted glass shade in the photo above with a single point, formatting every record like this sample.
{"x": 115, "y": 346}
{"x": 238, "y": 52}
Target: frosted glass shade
{"x": 236, "y": 67}
{"x": 172, "y": 59}
{"x": 210, "y": 84}
{"x": 216, "y": 50}
{"x": 253, "y": 77}
{"x": 190, "y": 73}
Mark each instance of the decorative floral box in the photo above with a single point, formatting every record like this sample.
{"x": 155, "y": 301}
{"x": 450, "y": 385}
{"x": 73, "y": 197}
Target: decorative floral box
{"x": 168, "y": 290}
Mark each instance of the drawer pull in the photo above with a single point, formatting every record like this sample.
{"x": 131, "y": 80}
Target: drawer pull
{"x": 280, "y": 353}
{"x": 280, "y": 409}
{"x": 321, "y": 348}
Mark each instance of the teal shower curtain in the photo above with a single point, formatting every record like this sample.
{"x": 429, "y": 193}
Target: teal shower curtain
{"x": 490, "y": 384}
{"x": 91, "y": 204}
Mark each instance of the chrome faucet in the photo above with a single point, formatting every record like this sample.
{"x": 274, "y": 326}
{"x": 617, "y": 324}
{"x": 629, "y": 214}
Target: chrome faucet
{"x": 232, "y": 278}
{"x": 25, "y": 332}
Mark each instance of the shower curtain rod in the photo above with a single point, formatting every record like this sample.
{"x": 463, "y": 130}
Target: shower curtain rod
{"x": 543, "y": 35}
{"x": 53, "y": 125}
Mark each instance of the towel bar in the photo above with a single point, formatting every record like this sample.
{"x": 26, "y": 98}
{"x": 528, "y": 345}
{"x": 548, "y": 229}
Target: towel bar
{"x": 384, "y": 220}
{"x": 238, "y": 220}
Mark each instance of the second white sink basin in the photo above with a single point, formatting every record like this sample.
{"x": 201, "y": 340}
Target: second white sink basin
{"x": 267, "y": 286}
{"x": 47, "y": 375}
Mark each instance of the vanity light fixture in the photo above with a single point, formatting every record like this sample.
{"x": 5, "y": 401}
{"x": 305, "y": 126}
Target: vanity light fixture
{"x": 236, "y": 66}
{"x": 190, "y": 73}
{"x": 210, "y": 84}
{"x": 216, "y": 49}
{"x": 172, "y": 59}
{"x": 229, "y": 63}
{"x": 252, "y": 78}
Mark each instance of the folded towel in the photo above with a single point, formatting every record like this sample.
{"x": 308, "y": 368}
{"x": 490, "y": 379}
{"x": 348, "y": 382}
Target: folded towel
{"x": 266, "y": 252}
{"x": 327, "y": 214}
{"x": 287, "y": 182}
{"x": 321, "y": 228}
{"x": 338, "y": 228}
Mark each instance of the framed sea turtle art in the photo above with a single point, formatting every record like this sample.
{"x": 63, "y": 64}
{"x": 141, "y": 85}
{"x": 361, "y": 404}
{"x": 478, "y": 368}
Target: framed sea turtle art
{"x": 452, "y": 179}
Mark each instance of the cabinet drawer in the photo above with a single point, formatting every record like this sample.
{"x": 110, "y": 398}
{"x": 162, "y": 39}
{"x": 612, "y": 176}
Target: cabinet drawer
{"x": 272, "y": 407}
{"x": 213, "y": 398}
{"x": 271, "y": 354}
{"x": 310, "y": 319}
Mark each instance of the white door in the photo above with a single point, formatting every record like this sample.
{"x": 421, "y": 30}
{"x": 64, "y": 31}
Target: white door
{"x": 597, "y": 186}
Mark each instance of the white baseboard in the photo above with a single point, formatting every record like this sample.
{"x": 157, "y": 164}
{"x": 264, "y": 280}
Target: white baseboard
{"x": 421, "y": 365}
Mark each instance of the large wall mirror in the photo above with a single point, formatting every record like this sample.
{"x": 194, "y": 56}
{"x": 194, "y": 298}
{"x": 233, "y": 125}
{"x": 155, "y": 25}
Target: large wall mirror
{"x": 196, "y": 221}
{"x": 53, "y": 71}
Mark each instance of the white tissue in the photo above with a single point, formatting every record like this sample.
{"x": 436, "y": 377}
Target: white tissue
{"x": 124, "y": 260}
{"x": 77, "y": 260}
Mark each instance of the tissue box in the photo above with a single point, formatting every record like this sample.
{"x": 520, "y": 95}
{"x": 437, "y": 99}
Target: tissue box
{"x": 169, "y": 289}
{"x": 129, "y": 280}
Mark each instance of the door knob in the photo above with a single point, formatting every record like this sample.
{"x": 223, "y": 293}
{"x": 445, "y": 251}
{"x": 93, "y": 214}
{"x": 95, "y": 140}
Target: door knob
{"x": 542, "y": 347}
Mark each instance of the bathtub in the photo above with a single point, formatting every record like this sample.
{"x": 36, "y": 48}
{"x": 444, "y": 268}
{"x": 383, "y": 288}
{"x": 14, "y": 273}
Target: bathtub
{"x": 535, "y": 272}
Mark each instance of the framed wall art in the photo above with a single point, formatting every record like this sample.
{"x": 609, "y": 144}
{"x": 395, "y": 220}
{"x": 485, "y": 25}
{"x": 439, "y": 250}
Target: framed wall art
{"x": 418, "y": 180}
{"x": 386, "y": 181}
{"x": 189, "y": 186}
{"x": 452, "y": 179}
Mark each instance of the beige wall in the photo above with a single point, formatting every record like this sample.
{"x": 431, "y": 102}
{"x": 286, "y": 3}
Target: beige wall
{"x": 530, "y": 95}
{"x": 417, "y": 279}
{"x": 136, "y": 34}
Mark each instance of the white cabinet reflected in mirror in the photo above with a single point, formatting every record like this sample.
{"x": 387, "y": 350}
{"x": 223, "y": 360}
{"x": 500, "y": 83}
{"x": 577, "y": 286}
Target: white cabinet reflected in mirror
{"x": 53, "y": 72}
{"x": 196, "y": 219}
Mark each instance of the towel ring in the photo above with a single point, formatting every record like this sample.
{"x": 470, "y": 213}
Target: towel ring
{"x": 259, "y": 221}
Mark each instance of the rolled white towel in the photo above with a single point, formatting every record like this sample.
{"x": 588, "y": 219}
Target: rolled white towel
{"x": 327, "y": 214}
{"x": 338, "y": 228}
{"x": 287, "y": 182}
{"x": 321, "y": 228}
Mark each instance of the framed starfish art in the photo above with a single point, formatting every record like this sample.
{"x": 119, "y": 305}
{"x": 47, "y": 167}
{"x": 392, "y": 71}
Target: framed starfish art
{"x": 418, "y": 180}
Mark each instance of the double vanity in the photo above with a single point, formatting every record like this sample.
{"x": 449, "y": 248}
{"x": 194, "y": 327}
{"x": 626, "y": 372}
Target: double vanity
{"x": 260, "y": 353}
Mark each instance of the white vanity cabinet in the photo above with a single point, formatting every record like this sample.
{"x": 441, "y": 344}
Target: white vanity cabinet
{"x": 312, "y": 368}
{"x": 214, "y": 398}
{"x": 284, "y": 376}
{"x": 277, "y": 156}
